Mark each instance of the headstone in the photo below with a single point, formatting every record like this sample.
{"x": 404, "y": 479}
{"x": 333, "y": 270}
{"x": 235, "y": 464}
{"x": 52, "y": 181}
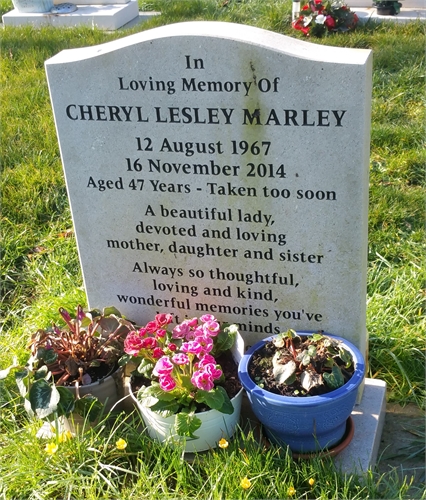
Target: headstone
{"x": 223, "y": 169}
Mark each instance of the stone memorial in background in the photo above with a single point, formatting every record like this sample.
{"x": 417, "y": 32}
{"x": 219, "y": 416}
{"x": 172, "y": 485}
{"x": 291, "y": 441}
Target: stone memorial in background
{"x": 223, "y": 169}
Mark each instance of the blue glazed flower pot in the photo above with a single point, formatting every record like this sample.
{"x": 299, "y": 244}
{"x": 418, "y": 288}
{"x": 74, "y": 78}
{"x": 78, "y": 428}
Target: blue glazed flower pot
{"x": 305, "y": 424}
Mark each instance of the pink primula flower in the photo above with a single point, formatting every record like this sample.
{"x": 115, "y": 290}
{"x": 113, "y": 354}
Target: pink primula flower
{"x": 191, "y": 322}
{"x": 180, "y": 331}
{"x": 207, "y": 317}
{"x": 163, "y": 319}
{"x": 142, "y": 332}
{"x": 202, "y": 380}
{"x": 151, "y": 326}
{"x": 192, "y": 347}
{"x": 180, "y": 358}
{"x": 211, "y": 328}
{"x": 149, "y": 343}
{"x": 163, "y": 366}
{"x": 211, "y": 369}
{"x": 167, "y": 383}
{"x": 160, "y": 333}
{"x": 206, "y": 343}
{"x": 206, "y": 359}
{"x": 132, "y": 344}
{"x": 157, "y": 353}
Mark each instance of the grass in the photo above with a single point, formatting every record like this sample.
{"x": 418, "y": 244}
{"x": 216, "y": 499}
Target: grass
{"x": 40, "y": 272}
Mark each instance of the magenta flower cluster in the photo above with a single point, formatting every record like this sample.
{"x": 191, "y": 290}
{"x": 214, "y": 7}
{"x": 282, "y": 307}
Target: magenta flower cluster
{"x": 181, "y": 359}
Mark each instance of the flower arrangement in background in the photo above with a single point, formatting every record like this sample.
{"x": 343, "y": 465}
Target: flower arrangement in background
{"x": 180, "y": 367}
{"x": 319, "y": 18}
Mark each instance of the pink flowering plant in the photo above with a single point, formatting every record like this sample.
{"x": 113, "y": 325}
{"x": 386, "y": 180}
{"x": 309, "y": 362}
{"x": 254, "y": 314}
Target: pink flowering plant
{"x": 179, "y": 367}
{"x": 320, "y": 18}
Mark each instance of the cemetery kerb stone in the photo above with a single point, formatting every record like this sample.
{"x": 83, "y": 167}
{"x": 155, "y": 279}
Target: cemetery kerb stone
{"x": 215, "y": 168}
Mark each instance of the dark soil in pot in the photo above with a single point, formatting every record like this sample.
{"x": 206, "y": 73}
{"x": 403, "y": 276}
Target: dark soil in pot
{"x": 260, "y": 370}
{"x": 96, "y": 373}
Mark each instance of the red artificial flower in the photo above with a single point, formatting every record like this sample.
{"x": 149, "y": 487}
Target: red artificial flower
{"x": 330, "y": 22}
{"x": 298, "y": 25}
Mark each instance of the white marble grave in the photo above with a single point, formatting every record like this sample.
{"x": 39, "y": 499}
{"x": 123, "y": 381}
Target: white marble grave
{"x": 219, "y": 168}
{"x": 101, "y": 14}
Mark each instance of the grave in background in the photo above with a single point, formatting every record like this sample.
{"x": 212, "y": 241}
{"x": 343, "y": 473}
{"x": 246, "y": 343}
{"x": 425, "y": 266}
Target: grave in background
{"x": 218, "y": 168}
{"x": 101, "y": 14}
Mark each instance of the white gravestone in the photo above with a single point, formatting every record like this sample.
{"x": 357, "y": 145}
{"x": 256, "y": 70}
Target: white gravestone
{"x": 219, "y": 168}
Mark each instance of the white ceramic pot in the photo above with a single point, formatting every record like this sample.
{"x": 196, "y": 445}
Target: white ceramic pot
{"x": 33, "y": 6}
{"x": 214, "y": 426}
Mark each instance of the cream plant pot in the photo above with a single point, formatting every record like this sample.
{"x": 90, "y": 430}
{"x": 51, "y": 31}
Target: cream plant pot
{"x": 215, "y": 425}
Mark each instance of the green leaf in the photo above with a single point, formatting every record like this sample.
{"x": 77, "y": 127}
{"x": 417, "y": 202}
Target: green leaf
{"x": 66, "y": 402}
{"x": 20, "y": 376}
{"x": 186, "y": 424}
{"x": 89, "y": 407}
{"x": 346, "y": 357}
{"x": 44, "y": 398}
{"x": 304, "y": 357}
{"x": 213, "y": 399}
{"x": 155, "y": 390}
{"x": 225, "y": 339}
{"x": 165, "y": 408}
{"x": 125, "y": 359}
{"x": 4, "y": 373}
{"x": 111, "y": 310}
{"x": 227, "y": 405}
{"x": 312, "y": 350}
{"x": 145, "y": 368}
{"x": 50, "y": 357}
{"x": 41, "y": 373}
{"x": 145, "y": 397}
{"x": 317, "y": 336}
{"x": 335, "y": 378}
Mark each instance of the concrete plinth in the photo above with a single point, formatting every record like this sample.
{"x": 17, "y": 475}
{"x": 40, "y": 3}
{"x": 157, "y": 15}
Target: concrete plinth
{"x": 368, "y": 418}
{"x": 104, "y": 17}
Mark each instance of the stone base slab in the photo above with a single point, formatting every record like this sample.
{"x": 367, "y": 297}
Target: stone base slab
{"x": 407, "y": 14}
{"x": 368, "y": 418}
{"x": 104, "y": 17}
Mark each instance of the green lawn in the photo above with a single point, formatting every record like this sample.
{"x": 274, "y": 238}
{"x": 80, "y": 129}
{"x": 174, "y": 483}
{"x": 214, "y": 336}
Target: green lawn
{"x": 40, "y": 273}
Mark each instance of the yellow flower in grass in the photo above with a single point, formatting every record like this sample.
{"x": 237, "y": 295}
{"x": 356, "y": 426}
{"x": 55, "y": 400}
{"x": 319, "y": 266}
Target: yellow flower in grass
{"x": 121, "y": 444}
{"x": 64, "y": 436}
{"x": 311, "y": 481}
{"x": 245, "y": 483}
{"x": 291, "y": 491}
{"x": 51, "y": 448}
{"x": 223, "y": 443}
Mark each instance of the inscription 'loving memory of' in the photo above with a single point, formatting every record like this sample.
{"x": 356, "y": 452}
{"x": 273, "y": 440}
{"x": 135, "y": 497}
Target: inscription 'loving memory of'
{"x": 222, "y": 169}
